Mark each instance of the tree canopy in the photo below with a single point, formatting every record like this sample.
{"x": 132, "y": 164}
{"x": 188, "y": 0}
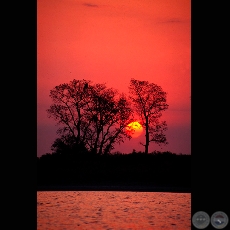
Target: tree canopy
{"x": 91, "y": 115}
{"x": 149, "y": 100}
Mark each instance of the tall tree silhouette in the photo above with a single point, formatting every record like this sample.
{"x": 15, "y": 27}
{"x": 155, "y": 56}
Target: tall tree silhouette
{"x": 91, "y": 113}
{"x": 149, "y": 100}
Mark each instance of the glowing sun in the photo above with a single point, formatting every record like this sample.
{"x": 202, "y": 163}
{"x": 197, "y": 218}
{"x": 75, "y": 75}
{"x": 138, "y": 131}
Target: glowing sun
{"x": 134, "y": 128}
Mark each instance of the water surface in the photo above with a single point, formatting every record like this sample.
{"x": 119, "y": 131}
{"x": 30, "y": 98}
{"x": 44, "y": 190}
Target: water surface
{"x": 98, "y": 210}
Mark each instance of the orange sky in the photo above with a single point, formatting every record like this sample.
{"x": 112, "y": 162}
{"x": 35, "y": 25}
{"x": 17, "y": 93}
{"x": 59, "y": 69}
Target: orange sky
{"x": 110, "y": 42}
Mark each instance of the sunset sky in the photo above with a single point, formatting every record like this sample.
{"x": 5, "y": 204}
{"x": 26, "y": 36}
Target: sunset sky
{"x": 110, "y": 42}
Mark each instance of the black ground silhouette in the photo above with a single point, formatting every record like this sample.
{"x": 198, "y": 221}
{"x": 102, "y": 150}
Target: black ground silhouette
{"x": 157, "y": 171}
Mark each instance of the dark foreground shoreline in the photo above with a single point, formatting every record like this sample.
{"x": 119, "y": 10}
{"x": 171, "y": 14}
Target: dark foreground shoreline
{"x": 121, "y": 188}
{"x": 158, "y": 172}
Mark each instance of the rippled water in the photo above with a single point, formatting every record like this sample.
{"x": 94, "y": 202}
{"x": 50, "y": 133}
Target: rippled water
{"x": 98, "y": 210}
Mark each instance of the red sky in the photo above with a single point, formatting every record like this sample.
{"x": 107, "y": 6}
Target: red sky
{"x": 110, "y": 42}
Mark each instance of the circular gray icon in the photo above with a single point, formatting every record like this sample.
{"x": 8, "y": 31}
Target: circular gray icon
{"x": 200, "y": 220}
{"x": 219, "y": 220}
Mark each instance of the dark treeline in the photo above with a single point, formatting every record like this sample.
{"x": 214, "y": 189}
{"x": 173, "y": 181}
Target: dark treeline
{"x": 134, "y": 169}
{"x": 92, "y": 118}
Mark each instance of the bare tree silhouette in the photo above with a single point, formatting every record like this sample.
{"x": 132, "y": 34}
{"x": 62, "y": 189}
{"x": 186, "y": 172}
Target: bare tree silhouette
{"x": 91, "y": 114}
{"x": 149, "y": 100}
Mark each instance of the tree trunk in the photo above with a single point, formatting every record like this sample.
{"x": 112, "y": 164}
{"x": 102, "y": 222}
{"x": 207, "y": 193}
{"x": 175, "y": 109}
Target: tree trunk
{"x": 147, "y": 136}
{"x": 79, "y": 126}
{"x": 96, "y": 141}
